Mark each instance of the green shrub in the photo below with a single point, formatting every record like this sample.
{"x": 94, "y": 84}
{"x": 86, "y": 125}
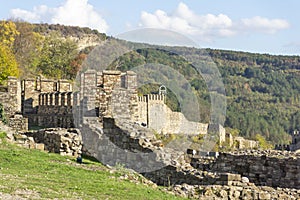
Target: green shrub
{"x": 2, "y": 114}
{"x": 263, "y": 143}
{"x": 2, "y": 135}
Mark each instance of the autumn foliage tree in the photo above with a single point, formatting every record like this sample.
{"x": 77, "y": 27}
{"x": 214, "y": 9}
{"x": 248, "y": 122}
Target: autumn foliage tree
{"x": 8, "y": 63}
{"x": 75, "y": 65}
{"x": 8, "y": 33}
{"x": 27, "y": 48}
{"x": 56, "y": 56}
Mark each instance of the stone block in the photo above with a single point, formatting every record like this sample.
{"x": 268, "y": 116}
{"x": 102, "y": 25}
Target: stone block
{"x": 230, "y": 177}
{"x": 264, "y": 196}
{"x": 40, "y": 146}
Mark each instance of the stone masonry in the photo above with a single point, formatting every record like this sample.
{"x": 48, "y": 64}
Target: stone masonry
{"x": 56, "y": 140}
{"x": 43, "y": 110}
{"x": 264, "y": 168}
{"x": 10, "y": 98}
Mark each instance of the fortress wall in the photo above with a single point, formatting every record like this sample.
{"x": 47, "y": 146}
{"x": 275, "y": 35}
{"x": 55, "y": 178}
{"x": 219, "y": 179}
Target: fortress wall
{"x": 99, "y": 81}
{"x": 100, "y": 94}
{"x": 29, "y": 96}
{"x": 55, "y": 110}
{"x": 295, "y": 145}
{"x": 64, "y": 86}
{"x": 43, "y": 97}
{"x": 10, "y": 97}
{"x": 130, "y": 80}
{"x": 40, "y": 97}
{"x": 88, "y": 90}
{"x": 268, "y": 169}
{"x": 163, "y": 120}
{"x": 142, "y": 110}
{"x": 46, "y": 85}
{"x": 220, "y": 130}
{"x": 32, "y": 88}
{"x": 124, "y": 104}
{"x": 119, "y": 95}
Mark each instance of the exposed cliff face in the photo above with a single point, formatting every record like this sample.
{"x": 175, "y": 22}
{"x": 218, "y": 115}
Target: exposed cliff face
{"x": 86, "y": 40}
{"x": 83, "y": 36}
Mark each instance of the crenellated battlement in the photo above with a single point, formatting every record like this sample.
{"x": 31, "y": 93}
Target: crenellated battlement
{"x": 159, "y": 98}
{"x": 294, "y": 144}
{"x": 34, "y": 92}
{"x": 296, "y": 133}
{"x": 46, "y": 85}
{"x": 56, "y": 99}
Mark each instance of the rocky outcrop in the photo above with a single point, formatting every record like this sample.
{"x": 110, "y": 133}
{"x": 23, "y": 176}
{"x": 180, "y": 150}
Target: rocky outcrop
{"x": 86, "y": 40}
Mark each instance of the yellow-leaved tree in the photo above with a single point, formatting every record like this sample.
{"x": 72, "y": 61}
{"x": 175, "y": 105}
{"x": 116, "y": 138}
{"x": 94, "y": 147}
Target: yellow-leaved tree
{"x": 8, "y": 63}
{"x": 8, "y": 33}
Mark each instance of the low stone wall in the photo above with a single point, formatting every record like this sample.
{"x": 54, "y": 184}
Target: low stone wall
{"x": 56, "y": 140}
{"x": 18, "y": 123}
{"x": 264, "y": 168}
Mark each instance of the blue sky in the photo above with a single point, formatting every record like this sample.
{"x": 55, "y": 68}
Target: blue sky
{"x": 264, "y": 26}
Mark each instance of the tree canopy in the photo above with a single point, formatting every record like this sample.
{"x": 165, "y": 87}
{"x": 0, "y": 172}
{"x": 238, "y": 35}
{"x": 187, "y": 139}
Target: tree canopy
{"x": 8, "y": 33}
{"x": 8, "y": 64}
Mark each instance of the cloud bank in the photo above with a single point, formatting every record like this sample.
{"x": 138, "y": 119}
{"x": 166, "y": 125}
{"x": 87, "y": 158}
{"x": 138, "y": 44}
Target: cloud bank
{"x": 71, "y": 12}
{"x": 209, "y": 26}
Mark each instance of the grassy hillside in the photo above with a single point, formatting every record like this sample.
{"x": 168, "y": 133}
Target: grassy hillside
{"x": 40, "y": 175}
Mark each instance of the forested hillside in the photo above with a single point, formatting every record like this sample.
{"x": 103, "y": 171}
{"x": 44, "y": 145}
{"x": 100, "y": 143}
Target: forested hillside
{"x": 262, "y": 91}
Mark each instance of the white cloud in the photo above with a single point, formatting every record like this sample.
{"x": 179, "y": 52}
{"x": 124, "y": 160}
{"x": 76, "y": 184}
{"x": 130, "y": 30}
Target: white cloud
{"x": 71, "y": 12}
{"x": 24, "y": 14}
{"x": 264, "y": 24}
{"x": 208, "y": 27}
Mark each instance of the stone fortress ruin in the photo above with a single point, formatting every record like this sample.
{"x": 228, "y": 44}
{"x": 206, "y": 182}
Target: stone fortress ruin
{"x": 54, "y": 103}
{"x": 115, "y": 125}
{"x": 49, "y": 103}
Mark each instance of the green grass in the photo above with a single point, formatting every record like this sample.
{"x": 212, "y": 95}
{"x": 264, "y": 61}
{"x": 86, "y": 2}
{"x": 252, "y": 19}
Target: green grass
{"x": 52, "y": 176}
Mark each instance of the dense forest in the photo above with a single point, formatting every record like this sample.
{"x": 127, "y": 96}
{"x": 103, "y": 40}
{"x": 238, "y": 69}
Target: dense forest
{"x": 262, "y": 91}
